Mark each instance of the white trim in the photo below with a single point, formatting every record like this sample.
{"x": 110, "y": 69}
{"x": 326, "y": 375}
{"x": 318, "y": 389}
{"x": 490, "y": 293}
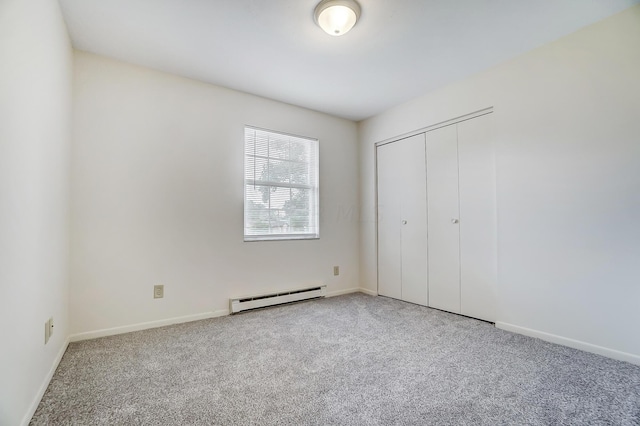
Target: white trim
{"x": 264, "y": 129}
{"x": 146, "y": 325}
{"x": 368, "y": 291}
{"x": 576, "y": 344}
{"x": 45, "y": 384}
{"x": 352, "y": 290}
{"x": 435, "y": 126}
{"x": 188, "y": 318}
{"x": 335, "y": 293}
{"x": 280, "y": 237}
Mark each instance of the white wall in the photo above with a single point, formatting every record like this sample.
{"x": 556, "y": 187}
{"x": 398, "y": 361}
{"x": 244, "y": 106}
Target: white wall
{"x": 157, "y": 198}
{"x": 35, "y": 113}
{"x": 568, "y": 182}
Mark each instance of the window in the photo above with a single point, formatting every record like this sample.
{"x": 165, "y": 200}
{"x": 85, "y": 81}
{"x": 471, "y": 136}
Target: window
{"x": 280, "y": 186}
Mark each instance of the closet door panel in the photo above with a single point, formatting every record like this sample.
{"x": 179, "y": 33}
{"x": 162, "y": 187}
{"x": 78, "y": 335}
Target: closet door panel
{"x": 389, "y": 161}
{"x": 478, "y": 241}
{"x": 414, "y": 220}
{"x": 443, "y": 225}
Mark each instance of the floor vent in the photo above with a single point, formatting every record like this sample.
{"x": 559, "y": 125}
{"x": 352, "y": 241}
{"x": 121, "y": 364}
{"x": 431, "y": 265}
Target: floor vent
{"x": 263, "y": 300}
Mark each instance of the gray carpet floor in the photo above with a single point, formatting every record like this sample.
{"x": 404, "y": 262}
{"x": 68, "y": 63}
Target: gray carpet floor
{"x": 348, "y": 360}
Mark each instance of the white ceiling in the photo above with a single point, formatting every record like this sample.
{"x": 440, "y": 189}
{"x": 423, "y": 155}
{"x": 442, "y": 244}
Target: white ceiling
{"x": 398, "y": 50}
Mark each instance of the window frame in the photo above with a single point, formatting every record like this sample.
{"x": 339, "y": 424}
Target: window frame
{"x": 315, "y": 189}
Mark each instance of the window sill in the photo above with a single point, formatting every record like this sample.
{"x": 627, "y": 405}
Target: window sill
{"x": 251, "y": 239}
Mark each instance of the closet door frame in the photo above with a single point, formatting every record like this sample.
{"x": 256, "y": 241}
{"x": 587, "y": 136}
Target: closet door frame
{"x": 398, "y": 138}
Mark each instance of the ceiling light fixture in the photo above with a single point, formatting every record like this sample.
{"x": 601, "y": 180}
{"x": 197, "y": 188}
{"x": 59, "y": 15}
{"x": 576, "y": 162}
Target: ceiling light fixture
{"x": 337, "y": 17}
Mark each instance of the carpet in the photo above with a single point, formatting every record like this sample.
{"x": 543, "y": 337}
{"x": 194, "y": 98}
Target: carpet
{"x": 347, "y": 360}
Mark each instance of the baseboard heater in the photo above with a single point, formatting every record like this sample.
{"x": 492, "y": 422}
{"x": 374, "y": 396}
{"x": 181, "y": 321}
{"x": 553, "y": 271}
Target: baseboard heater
{"x": 264, "y": 300}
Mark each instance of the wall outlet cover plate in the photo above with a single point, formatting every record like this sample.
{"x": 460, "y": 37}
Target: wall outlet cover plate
{"x": 158, "y": 291}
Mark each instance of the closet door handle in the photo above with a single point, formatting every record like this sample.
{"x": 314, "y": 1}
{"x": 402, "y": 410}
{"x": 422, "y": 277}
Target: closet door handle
{"x": 404, "y": 222}
{"x": 454, "y": 220}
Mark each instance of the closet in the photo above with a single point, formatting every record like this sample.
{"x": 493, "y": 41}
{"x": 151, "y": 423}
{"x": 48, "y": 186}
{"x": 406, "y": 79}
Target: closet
{"x": 402, "y": 220}
{"x": 436, "y": 218}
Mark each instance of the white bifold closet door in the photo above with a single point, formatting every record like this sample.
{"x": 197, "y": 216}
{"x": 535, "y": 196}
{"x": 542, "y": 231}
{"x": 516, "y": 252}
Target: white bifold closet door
{"x": 462, "y": 218}
{"x": 478, "y": 229}
{"x": 402, "y": 220}
{"x": 443, "y": 213}
{"x": 437, "y": 219}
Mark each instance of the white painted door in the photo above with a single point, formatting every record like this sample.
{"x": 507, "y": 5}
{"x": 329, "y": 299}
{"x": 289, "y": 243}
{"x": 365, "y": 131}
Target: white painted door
{"x": 478, "y": 245}
{"x": 414, "y": 219}
{"x": 443, "y": 219}
{"x": 402, "y": 220}
{"x": 389, "y": 157}
{"x": 437, "y": 224}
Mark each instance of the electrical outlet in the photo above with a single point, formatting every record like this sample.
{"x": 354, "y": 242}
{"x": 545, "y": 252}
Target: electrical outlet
{"x": 336, "y": 270}
{"x": 158, "y": 291}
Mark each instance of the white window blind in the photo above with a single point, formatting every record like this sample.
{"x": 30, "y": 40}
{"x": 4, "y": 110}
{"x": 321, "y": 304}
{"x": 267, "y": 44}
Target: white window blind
{"x": 280, "y": 186}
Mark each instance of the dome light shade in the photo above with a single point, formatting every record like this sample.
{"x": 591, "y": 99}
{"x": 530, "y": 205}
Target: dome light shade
{"x": 337, "y": 17}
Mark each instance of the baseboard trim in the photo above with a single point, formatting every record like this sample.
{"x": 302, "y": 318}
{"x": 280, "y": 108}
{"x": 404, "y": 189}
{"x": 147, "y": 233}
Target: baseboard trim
{"x": 45, "y": 384}
{"x": 351, "y": 290}
{"x": 576, "y": 344}
{"x": 146, "y": 325}
{"x": 367, "y": 291}
{"x": 188, "y": 318}
{"x": 341, "y": 292}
